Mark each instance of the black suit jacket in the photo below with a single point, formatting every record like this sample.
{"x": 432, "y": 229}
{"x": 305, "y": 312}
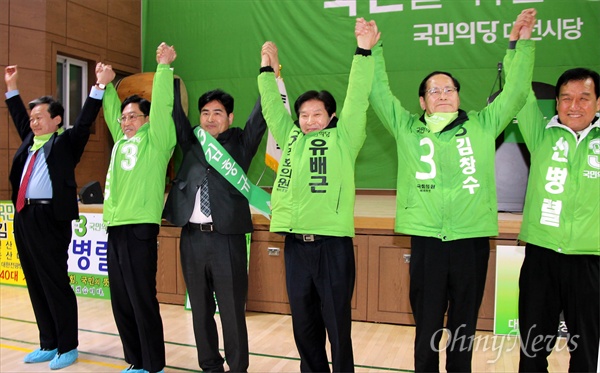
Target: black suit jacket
{"x": 62, "y": 155}
{"x": 229, "y": 208}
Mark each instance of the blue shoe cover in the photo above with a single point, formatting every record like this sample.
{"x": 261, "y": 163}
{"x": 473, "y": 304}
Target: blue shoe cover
{"x": 64, "y": 360}
{"x": 39, "y": 356}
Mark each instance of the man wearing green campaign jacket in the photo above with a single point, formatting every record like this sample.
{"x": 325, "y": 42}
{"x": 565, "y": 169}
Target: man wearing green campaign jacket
{"x": 561, "y": 225}
{"x": 446, "y": 196}
{"x": 144, "y": 137}
{"x": 313, "y": 204}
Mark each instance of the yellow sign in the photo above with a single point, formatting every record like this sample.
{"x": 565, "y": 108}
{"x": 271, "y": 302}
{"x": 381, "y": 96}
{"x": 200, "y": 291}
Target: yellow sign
{"x": 10, "y": 268}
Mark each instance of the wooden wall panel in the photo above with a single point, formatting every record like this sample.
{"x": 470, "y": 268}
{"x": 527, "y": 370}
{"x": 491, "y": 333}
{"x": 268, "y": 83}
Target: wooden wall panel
{"x": 5, "y": 154}
{"x": 82, "y": 50}
{"x": 100, "y": 6}
{"x": 389, "y": 258}
{"x": 123, "y": 62}
{"x": 56, "y": 17}
{"x": 167, "y": 265}
{"x": 28, "y": 14}
{"x": 170, "y": 286}
{"x": 3, "y": 44}
{"x": 359, "y": 296}
{"x": 27, "y": 48}
{"x": 4, "y": 121}
{"x": 126, "y": 10}
{"x": 13, "y": 137}
{"x": 5, "y": 163}
{"x": 51, "y": 39}
{"x": 4, "y": 9}
{"x": 5, "y": 157}
{"x": 266, "y": 278}
{"x": 124, "y": 37}
{"x": 86, "y": 25}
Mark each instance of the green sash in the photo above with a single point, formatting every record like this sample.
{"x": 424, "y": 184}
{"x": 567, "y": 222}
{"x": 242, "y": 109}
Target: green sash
{"x": 221, "y": 161}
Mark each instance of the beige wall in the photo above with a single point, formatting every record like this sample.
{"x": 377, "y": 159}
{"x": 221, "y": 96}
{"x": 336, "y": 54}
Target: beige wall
{"x": 33, "y": 32}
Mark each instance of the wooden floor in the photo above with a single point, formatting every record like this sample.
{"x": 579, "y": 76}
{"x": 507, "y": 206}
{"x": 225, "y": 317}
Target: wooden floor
{"x": 377, "y": 347}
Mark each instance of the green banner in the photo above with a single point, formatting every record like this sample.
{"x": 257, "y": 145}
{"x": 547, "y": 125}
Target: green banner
{"x": 218, "y": 46}
{"x": 508, "y": 267}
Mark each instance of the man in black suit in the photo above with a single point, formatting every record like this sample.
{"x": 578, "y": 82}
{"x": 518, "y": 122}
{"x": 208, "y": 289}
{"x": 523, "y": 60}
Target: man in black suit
{"x": 44, "y": 193}
{"x": 213, "y": 242}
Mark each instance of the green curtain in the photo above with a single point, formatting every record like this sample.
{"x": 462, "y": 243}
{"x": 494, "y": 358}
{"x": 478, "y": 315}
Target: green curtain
{"x": 218, "y": 46}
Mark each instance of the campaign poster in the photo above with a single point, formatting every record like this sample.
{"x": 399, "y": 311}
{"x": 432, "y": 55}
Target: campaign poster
{"x": 87, "y": 263}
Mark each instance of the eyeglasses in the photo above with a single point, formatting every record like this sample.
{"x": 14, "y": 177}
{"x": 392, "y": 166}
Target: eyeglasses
{"x": 437, "y": 92}
{"x": 130, "y": 116}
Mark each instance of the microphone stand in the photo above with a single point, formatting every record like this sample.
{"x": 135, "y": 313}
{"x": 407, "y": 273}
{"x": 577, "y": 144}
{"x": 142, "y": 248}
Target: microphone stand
{"x": 498, "y": 80}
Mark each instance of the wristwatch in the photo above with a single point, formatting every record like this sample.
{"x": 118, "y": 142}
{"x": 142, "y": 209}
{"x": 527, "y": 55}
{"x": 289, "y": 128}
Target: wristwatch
{"x": 100, "y": 85}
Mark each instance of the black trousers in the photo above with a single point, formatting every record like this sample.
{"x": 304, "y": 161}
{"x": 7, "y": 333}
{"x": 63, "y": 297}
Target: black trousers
{"x": 446, "y": 276}
{"x": 551, "y": 282}
{"x": 43, "y": 247}
{"x": 132, "y": 263}
{"x": 217, "y": 263}
{"x": 320, "y": 280}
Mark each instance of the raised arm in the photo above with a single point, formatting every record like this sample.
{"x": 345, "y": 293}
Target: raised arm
{"x": 80, "y": 132}
{"x": 269, "y": 56}
{"x": 162, "y": 126}
{"x": 254, "y": 130}
{"x": 11, "y": 75}
{"x": 367, "y": 34}
{"x": 523, "y": 27}
{"x": 16, "y": 107}
{"x": 387, "y": 107}
{"x": 519, "y": 74}
{"x": 104, "y": 75}
{"x": 276, "y": 115}
{"x": 111, "y": 104}
{"x": 530, "y": 116}
{"x": 165, "y": 54}
{"x": 353, "y": 117}
{"x": 183, "y": 127}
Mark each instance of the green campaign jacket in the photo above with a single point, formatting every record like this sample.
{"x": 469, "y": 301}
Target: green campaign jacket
{"x": 135, "y": 182}
{"x": 446, "y": 181}
{"x": 314, "y": 191}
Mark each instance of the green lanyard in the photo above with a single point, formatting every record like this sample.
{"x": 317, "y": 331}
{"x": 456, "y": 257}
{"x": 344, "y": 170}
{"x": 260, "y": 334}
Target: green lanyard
{"x": 223, "y": 162}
